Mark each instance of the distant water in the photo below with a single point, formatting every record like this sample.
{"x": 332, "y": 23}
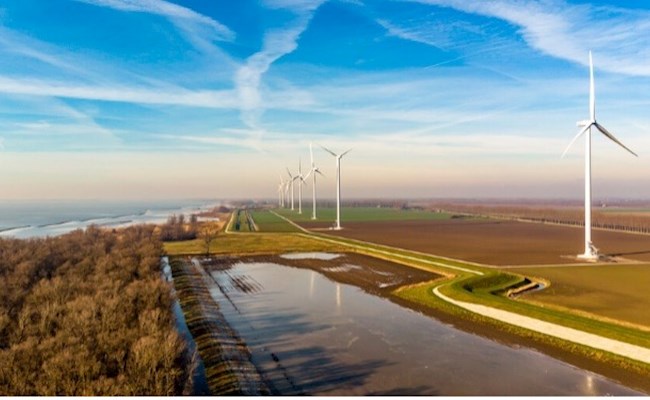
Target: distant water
{"x": 25, "y": 219}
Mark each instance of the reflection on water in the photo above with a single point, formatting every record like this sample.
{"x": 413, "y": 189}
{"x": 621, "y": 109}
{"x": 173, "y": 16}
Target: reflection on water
{"x": 338, "y": 296}
{"x": 305, "y": 342}
{"x": 313, "y": 256}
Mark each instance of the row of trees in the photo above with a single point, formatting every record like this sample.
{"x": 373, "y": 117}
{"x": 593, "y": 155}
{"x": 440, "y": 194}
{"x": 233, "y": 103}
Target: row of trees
{"x": 87, "y": 313}
{"x": 178, "y": 228}
{"x": 630, "y": 221}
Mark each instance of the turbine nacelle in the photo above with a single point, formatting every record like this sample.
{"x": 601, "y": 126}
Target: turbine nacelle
{"x": 586, "y": 125}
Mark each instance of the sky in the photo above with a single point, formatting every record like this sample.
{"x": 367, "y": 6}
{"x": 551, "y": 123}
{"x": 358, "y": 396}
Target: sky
{"x": 155, "y": 99}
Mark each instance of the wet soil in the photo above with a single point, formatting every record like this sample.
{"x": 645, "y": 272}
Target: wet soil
{"x": 373, "y": 275}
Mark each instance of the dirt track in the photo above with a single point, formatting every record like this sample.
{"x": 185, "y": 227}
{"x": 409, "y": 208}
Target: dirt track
{"x": 495, "y": 242}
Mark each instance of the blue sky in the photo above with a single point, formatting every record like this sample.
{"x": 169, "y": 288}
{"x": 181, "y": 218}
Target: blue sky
{"x": 438, "y": 98}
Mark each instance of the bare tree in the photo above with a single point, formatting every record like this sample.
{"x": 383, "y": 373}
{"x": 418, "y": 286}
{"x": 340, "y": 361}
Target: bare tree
{"x": 207, "y": 235}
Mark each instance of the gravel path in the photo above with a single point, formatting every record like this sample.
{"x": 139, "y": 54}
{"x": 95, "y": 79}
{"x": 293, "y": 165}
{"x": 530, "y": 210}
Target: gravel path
{"x": 573, "y": 335}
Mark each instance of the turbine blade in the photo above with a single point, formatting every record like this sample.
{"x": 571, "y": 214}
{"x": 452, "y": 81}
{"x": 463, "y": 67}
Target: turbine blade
{"x": 576, "y": 138}
{"x": 289, "y": 172}
{"x": 346, "y": 152}
{"x": 592, "y": 90}
{"x": 612, "y": 138}
{"x": 321, "y": 174}
{"x": 328, "y": 150}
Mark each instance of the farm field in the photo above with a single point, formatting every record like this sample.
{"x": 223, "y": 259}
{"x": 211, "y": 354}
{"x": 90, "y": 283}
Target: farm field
{"x": 327, "y": 216}
{"x": 613, "y": 291}
{"x": 268, "y": 222}
{"x": 495, "y": 242}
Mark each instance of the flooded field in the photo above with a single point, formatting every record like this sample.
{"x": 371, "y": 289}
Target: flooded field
{"x": 311, "y": 335}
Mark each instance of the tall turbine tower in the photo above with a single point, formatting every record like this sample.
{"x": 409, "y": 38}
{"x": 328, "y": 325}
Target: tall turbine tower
{"x": 291, "y": 179}
{"x": 281, "y": 192}
{"x": 338, "y": 184}
{"x": 314, "y": 170}
{"x": 591, "y": 253}
{"x": 301, "y": 181}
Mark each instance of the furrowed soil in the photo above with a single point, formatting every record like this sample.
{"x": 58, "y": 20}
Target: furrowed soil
{"x": 494, "y": 242}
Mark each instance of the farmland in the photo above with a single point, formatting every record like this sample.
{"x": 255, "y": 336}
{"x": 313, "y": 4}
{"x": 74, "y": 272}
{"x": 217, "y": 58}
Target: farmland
{"x": 269, "y": 222}
{"x": 616, "y": 292}
{"x": 326, "y": 216}
{"x": 496, "y": 242}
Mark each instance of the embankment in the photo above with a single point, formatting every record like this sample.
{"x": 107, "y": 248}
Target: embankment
{"x": 226, "y": 358}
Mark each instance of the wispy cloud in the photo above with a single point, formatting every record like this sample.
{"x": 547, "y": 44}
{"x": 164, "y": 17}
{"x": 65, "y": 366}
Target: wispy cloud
{"x": 277, "y": 43}
{"x": 130, "y": 94}
{"x": 566, "y": 31}
{"x": 177, "y": 14}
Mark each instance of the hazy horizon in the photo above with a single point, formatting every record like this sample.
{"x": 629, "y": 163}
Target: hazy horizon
{"x": 437, "y": 98}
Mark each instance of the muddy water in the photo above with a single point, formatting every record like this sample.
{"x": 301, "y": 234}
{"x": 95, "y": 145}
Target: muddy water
{"x": 309, "y": 335}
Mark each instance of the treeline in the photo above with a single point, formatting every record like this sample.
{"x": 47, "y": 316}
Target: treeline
{"x": 622, "y": 220}
{"x": 178, "y": 228}
{"x": 87, "y": 313}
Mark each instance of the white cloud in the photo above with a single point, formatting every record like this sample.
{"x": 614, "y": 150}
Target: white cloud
{"x": 174, "y": 12}
{"x": 618, "y": 37}
{"x": 131, "y": 94}
{"x": 276, "y": 44}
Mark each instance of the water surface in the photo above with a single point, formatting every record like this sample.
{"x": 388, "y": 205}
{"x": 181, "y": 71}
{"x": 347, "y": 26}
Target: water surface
{"x": 310, "y": 335}
{"x": 31, "y": 218}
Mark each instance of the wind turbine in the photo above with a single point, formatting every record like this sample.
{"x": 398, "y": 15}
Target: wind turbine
{"x": 292, "y": 178}
{"x": 301, "y": 181}
{"x": 591, "y": 253}
{"x": 287, "y": 184}
{"x": 281, "y": 192}
{"x": 314, "y": 170}
{"x": 338, "y": 184}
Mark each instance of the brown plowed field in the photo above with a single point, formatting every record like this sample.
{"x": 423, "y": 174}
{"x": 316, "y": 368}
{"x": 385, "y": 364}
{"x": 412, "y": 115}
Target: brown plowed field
{"x": 495, "y": 242}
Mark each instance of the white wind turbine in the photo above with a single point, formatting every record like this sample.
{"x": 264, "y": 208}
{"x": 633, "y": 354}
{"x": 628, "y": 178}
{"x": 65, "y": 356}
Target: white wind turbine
{"x": 338, "y": 184}
{"x": 281, "y": 191}
{"x": 287, "y": 184}
{"x": 301, "y": 181}
{"x": 314, "y": 170}
{"x": 591, "y": 253}
{"x": 291, "y": 179}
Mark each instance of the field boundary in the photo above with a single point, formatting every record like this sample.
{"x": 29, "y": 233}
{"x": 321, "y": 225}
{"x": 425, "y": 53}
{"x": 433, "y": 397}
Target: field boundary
{"x": 627, "y": 350}
{"x": 349, "y": 241}
{"x": 392, "y": 254}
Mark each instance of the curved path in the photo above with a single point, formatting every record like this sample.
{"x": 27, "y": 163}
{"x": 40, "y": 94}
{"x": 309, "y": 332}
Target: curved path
{"x": 572, "y": 335}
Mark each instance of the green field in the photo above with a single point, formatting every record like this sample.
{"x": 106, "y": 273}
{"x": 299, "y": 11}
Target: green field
{"x": 362, "y": 214}
{"x": 618, "y": 292}
{"x": 269, "y": 222}
{"x": 251, "y": 244}
{"x": 240, "y": 222}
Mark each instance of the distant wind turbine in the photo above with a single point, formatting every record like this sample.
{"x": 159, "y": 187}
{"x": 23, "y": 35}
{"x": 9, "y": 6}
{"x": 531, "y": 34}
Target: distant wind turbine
{"x": 301, "y": 181}
{"x": 314, "y": 170}
{"x": 281, "y": 192}
{"x": 291, "y": 179}
{"x": 591, "y": 253}
{"x": 338, "y": 184}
